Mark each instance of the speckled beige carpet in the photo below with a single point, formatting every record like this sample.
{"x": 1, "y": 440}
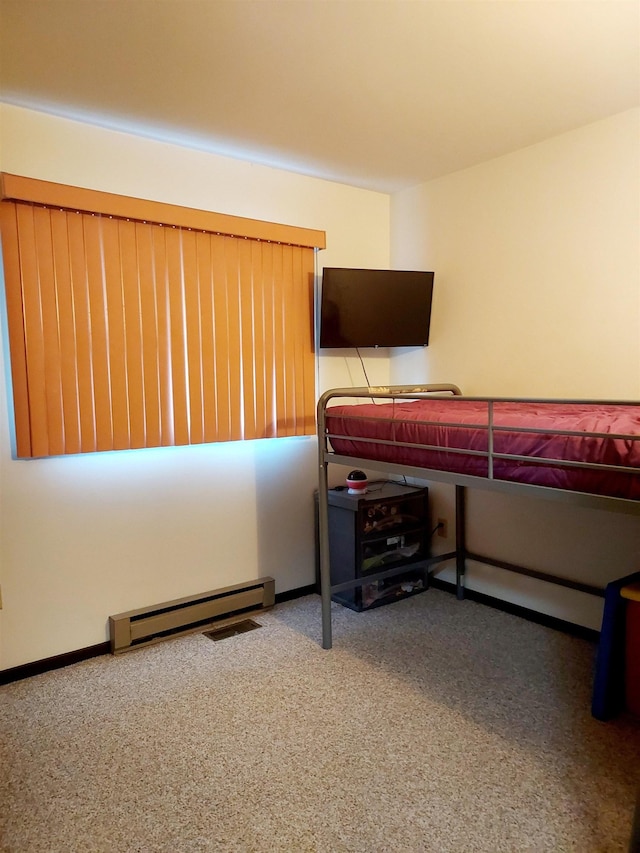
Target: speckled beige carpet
{"x": 432, "y": 725}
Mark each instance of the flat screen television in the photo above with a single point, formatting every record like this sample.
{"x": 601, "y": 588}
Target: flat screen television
{"x": 375, "y": 308}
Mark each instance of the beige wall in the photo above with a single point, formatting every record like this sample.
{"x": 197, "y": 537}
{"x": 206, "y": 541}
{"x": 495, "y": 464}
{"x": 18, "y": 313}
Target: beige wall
{"x": 88, "y": 536}
{"x": 537, "y": 292}
{"x": 537, "y": 259}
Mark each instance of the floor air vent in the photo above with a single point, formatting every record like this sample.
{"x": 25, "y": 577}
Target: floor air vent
{"x": 220, "y": 609}
{"x": 232, "y": 630}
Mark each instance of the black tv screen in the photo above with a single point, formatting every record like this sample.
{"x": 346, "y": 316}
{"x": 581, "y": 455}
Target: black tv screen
{"x": 375, "y": 308}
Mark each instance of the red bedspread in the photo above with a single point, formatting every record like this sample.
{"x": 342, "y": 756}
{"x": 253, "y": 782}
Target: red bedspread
{"x": 459, "y": 423}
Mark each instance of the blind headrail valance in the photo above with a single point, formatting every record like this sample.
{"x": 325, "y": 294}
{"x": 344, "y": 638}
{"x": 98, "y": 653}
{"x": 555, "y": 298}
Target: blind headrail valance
{"x": 32, "y": 190}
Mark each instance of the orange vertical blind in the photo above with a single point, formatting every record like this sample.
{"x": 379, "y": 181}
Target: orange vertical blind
{"x": 129, "y": 333}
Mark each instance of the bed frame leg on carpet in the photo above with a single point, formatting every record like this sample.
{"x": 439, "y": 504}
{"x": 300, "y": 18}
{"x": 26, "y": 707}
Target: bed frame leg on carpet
{"x": 461, "y": 547}
{"x": 325, "y": 569}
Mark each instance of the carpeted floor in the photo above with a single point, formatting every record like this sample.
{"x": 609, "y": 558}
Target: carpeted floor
{"x": 432, "y": 725}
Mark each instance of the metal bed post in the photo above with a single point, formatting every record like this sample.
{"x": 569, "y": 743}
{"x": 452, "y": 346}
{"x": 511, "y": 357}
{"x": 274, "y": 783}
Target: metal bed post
{"x": 461, "y": 544}
{"x": 323, "y": 529}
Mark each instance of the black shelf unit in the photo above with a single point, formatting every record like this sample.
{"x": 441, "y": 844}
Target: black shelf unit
{"x": 384, "y": 531}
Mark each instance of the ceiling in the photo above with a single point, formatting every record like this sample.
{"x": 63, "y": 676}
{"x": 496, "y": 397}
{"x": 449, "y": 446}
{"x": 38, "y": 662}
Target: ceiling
{"x": 380, "y": 94}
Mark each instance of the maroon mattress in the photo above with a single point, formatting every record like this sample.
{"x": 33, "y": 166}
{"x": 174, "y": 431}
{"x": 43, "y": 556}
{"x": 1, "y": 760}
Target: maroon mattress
{"x": 605, "y": 437}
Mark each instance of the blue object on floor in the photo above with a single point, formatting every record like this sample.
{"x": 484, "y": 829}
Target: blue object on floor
{"x": 608, "y": 685}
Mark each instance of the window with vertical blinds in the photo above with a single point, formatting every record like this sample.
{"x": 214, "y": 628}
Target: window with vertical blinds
{"x": 139, "y": 324}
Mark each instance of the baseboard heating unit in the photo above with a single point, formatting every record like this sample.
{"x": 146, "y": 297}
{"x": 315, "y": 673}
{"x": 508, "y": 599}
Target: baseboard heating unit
{"x": 185, "y": 615}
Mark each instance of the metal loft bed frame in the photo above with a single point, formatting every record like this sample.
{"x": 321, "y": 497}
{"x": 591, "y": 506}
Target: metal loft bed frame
{"x": 460, "y": 481}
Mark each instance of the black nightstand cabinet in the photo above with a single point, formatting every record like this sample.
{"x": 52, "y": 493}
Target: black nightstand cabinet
{"x": 386, "y": 529}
